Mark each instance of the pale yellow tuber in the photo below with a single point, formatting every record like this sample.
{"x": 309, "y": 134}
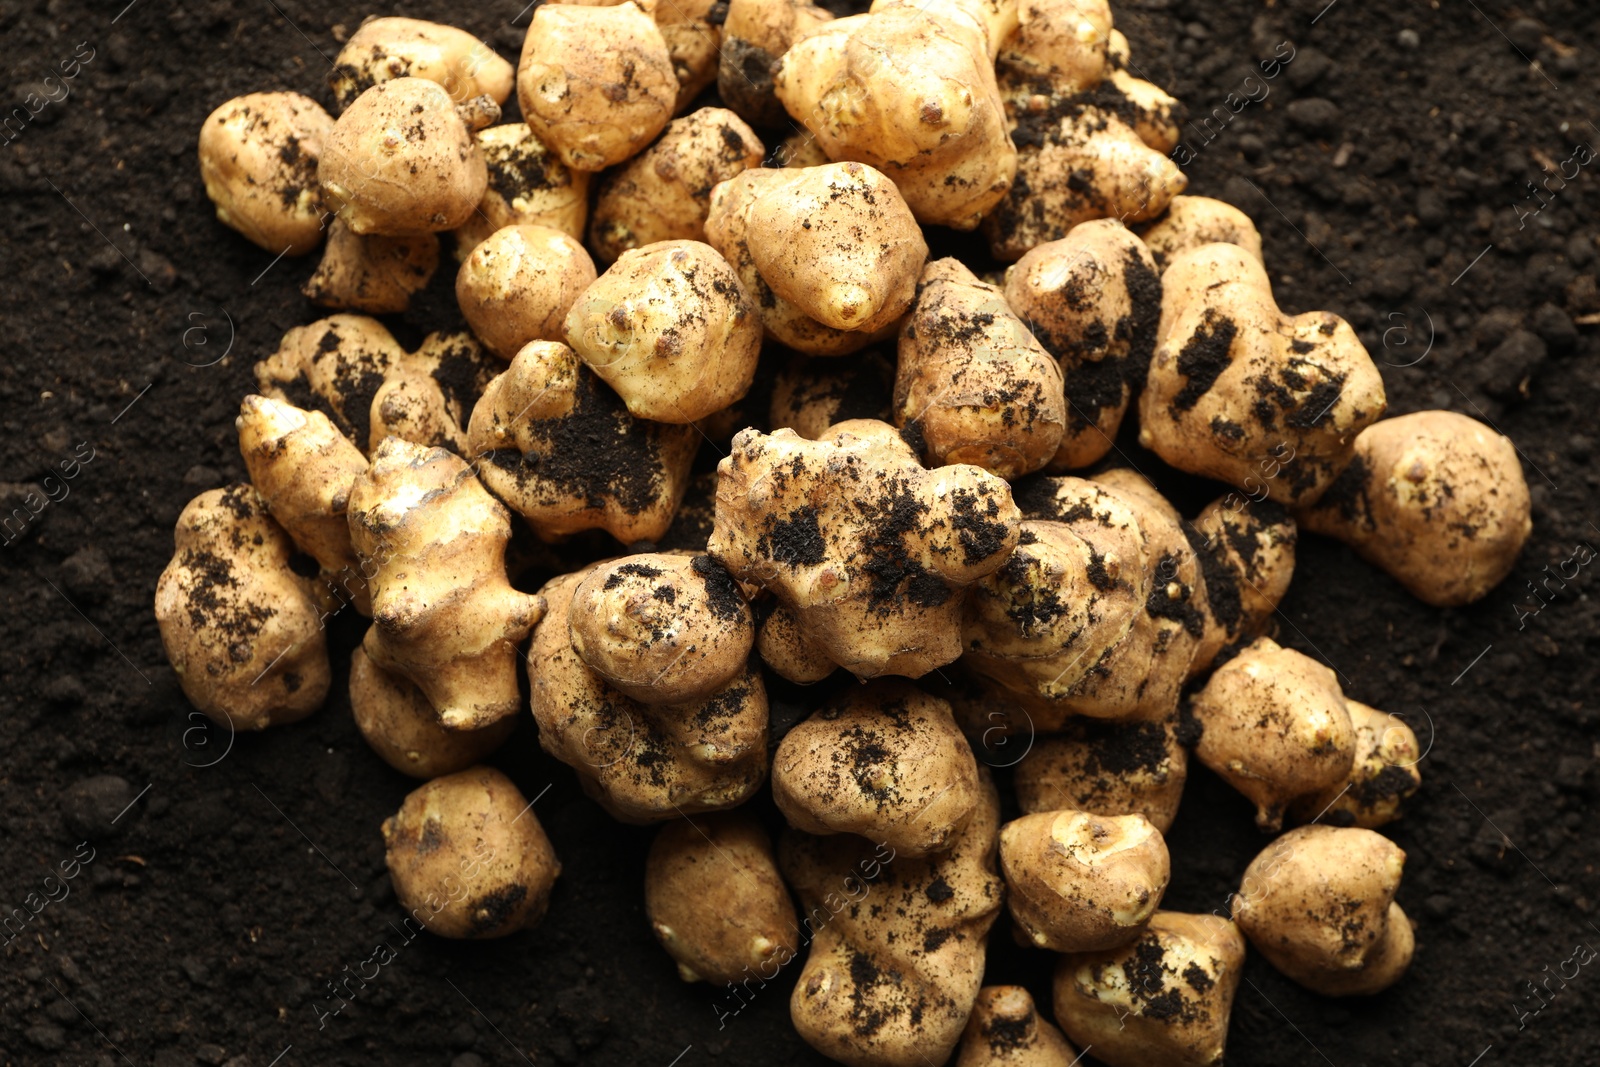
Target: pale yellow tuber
{"x": 258, "y": 160}
{"x": 242, "y": 630}
{"x": 715, "y": 900}
{"x": 562, "y": 451}
{"x": 1236, "y": 386}
{"x": 670, "y": 328}
{"x": 869, "y": 550}
{"x": 468, "y": 857}
{"x": 1077, "y": 882}
{"x": 1275, "y": 728}
{"x": 1436, "y": 500}
{"x": 973, "y": 385}
{"x": 886, "y": 762}
{"x": 444, "y": 615}
{"x": 1319, "y": 904}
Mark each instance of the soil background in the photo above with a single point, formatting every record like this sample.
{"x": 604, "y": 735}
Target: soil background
{"x": 1388, "y": 166}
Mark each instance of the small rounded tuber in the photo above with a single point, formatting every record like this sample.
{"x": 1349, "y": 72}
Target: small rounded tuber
{"x": 1436, "y": 500}
{"x": 1318, "y": 903}
{"x": 912, "y": 94}
{"x": 258, "y": 160}
{"x": 561, "y": 450}
{"x": 519, "y": 283}
{"x": 1077, "y": 882}
{"x": 1163, "y": 1000}
{"x": 886, "y": 762}
{"x": 670, "y": 328}
{"x": 715, "y": 899}
{"x": 596, "y": 84}
{"x": 386, "y": 48}
{"x": 468, "y": 857}
{"x": 1275, "y": 728}
{"x": 402, "y": 161}
{"x": 973, "y": 384}
{"x": 242, "y": 630}
{"x": 662, "y": 628}
{"x": 664, "y": 193}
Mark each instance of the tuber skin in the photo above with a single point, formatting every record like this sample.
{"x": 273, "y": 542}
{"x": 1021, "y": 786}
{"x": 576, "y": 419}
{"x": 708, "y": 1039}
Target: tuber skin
{"x": 973, "y": 384}
{"x": 993, "y": 20}
{"x": 1234, "y": 381}
{"x": 1275, "y": 728}
{"x": 729, "y": 229}
{"x": 913, "y": 95}
{"x": 755, "y": 35}
{"x": 811, "y": 395}
{"x": 1076, "y": 162}
{"x": 242, "y": 630}
{"x": 399, "y": 724}
{"x": 596, "y": 84}
{"x": 1162, "y": 1001}
{"x": 351, "y": 368}
{"x": 534, "y": 438}
{"x": 527, "y": 186}
{"x": 1246, "y": 549}
{"x": 1383, "y": 776}
{"x": 375, "y": 275}
{"x": 258, "y": 160}
{"x": 333, "y": 361}
{"x": 694, "y": 44}
{"x": 426, "y": 395}
{"x": 715, "y": 900}
{"x": 444, "y": 615}
{"x": 1319, "y": 904}
{"x": 886, "y": 762}
{"x": 1093, "y": 299}
{"x": 786, "y": 649}
{"x": 468, "y": 858}
{"x": 643, "y": 762}
{"x": 838, "y": 242}
{"x": 1005, "y": 1031}
{"x": 1108, "y": 768}
{"x": 518, "y": 285}
{"x": 1436, "y": 500}
{"x": 386, "y": 48}
{"x": 669, "y": 327}
{"x": 1092, "y": 615}
{"x": 662, "y": 628}
{"x": 1193, "y": 221}
{"x": 1078, "y": 882}
{"x": 401, "y": 161}
{"x": 897, "y": 942}
{"x": 664, "y": 193}
{"x": 869, "y": 550}
{"x": 304, "y": 468}
{"x": 1060, "y": 43}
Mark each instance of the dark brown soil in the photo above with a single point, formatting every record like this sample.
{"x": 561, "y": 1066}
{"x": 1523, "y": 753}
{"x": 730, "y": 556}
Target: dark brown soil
{"x": 1389, "y": 166}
